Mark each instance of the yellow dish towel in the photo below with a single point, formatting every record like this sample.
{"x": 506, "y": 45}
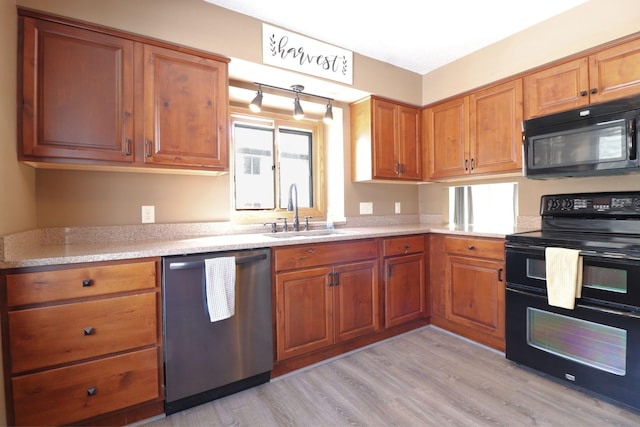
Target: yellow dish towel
{"x": 564, "y": 276}
{"x": 220, "y": 283}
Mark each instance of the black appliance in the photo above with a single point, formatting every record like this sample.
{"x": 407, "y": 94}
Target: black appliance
{"x": 595, "y": 140}
{"x": 205, "y": 360}
{"x": 595, "y": 346}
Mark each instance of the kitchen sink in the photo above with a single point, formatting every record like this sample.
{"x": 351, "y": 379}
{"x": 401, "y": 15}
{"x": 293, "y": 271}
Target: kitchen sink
{"x": 309, "y": 233}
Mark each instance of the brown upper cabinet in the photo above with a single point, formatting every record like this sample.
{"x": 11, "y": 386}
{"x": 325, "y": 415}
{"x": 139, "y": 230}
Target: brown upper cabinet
{"x": 602, "y": 76}
{"x": 478, "y": 134}
{"x": 385, "y": 141}
{"x": 94, "y": 97}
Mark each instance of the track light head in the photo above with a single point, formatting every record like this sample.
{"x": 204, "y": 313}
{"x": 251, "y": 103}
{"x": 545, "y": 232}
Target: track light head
{"x": 298, "y": 113}
{"x": 328, "y": 114}
{"x": 256, "y": 104}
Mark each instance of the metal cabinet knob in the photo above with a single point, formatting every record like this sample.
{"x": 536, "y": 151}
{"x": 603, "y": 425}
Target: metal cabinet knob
{"x": 91, "y": 391}
{"x": 87, "y": 283}
{"x": 89, "y": 330}
{"x": 471, "y": 247}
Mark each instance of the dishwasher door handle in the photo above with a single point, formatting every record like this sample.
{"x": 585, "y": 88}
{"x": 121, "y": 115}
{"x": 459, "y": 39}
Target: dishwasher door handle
{"x": 199, "y": 264}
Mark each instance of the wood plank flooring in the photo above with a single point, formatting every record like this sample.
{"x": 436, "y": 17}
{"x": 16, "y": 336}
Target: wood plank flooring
{"x": 427, "y": 377}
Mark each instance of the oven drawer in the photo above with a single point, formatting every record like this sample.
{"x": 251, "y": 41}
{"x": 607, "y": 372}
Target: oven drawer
{"x": 594, "y": 347}
{"x": 65, "y": 395}
{"x": 50, "y": 336}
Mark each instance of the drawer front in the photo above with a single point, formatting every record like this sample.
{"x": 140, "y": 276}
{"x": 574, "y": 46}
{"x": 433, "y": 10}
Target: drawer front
{"x": 49, "y": 336}
{"x": 74, "y": 393}
{"x": 482, "y": 248}
{"x": 46, "y": 286}
{"x": 313, "y": 255}
{"x": 403, "y": 245}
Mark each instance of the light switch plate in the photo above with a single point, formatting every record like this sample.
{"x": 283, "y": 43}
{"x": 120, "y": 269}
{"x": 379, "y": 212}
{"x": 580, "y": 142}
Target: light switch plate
{"x": 398, "y": 207}
{"x": 366, "y": 208}
{"x": 148, "y": 214}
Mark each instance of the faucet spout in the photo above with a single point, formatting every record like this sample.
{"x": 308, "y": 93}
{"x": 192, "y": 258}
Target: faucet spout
{"x": 293, "y": 206}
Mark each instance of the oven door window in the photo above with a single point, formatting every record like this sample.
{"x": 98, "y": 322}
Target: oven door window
{"x": 593, "y": 276}
{"x": 592, "y": 344}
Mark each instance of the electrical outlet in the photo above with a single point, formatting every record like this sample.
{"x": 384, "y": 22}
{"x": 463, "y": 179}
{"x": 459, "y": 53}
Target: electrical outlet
{"x": 398, "y": 207}
{"x": 366, "y": 208}
{"x": 148, "y": 214}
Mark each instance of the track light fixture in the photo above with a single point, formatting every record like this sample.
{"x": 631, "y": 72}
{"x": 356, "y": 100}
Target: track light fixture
{"x": 256, "y": 104}
{"x": 328, "y": 115}
{"x": 298, "y": 112}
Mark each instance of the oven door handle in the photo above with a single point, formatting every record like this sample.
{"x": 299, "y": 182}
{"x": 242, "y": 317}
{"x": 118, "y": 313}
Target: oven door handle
{"x": 610, "y": 311}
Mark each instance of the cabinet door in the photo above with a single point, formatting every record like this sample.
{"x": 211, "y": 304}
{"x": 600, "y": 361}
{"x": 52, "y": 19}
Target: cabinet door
{"x": 77, "y": 94}
{"x": 615, "y": 72}
{"x": 355, "y": 289}
{"x": 404, "y": 289}
{"x": 304, "y": 311}
{"x": 410, "y": 147}
{"x": 185, "y": 109}
{"x": 475, "y": 297}
{"x": 495, "y": 129}
{"x": 384, "y": 139}
{"x": 555, "y": 89}
{"x": 447, "y": 132}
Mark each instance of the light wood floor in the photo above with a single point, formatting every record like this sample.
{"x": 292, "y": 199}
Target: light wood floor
{"x": 427, "y": 377}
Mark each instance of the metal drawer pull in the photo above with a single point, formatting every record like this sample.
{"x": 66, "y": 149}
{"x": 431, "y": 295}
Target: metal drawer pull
{"x": 471, "y": 247}
{"x": 91, "y": 391}
{"x": 87, "y": 282}
{"x": 88, "y": 330}
{"x": 500, "y": 275}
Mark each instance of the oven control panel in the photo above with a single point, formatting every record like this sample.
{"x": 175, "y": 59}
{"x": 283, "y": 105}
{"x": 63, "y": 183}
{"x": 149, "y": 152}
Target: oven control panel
{"x": 591, "y": 204}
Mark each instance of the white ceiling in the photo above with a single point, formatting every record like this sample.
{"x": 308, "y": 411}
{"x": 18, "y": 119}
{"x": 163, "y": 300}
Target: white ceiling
{"x": 417, "y": 35}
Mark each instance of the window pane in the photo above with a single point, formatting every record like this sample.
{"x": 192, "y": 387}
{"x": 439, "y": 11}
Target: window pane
{"x": 484, "y": 206}
{"x": 295, "y": 166}
{"x": 254, "y": 176}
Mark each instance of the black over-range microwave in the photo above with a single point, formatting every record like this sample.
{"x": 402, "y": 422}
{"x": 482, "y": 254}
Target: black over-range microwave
{"x": 600, "y": 139}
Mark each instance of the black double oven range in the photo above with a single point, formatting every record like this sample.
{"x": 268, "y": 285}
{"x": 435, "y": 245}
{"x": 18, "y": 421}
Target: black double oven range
{"x": 596, "y": 345}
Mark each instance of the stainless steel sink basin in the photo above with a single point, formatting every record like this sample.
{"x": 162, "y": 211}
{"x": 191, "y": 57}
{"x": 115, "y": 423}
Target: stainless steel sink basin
{"x": 310, "y": 233}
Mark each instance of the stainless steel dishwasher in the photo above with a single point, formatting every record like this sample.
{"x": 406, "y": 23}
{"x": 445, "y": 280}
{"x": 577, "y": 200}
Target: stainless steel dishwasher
{"x": 204, "y": 360}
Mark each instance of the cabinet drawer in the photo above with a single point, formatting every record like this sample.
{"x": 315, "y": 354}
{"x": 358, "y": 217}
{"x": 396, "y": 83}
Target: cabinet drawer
{"x": 46, "y": 286}
{"x": 482, "y": 248}
{"x": 74, "y": 393}
{"x": 49, "y": 336}
{"x": 403, "y": 245}
{"x": 323, "y": 254}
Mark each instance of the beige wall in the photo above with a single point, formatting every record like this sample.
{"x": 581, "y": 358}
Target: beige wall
{"x": 96, "y": 198}
{"x": 17, "y": 182}
{"x": 591, "y": 24}
{"x": 78, "y": 198}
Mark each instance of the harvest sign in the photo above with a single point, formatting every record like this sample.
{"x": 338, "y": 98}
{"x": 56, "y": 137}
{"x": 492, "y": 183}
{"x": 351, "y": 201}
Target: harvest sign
{"x": 294, "y": 52}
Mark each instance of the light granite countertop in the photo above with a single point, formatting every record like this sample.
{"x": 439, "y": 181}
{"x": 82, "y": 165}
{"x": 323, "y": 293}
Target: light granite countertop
{"x": 69, "y": 246}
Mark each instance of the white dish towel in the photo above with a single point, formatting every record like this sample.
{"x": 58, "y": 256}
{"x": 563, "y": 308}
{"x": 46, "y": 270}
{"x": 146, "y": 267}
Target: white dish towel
{"x": 564, "y": 276}
{"x": 220, "y": 284}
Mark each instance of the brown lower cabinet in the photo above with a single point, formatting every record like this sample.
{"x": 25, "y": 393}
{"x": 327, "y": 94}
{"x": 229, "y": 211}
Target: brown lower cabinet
{"x": 325, "y": 294}
{"x": 404, "y": 279}
{"x": 467, "y": 287}
{"x": 83, "y": 343}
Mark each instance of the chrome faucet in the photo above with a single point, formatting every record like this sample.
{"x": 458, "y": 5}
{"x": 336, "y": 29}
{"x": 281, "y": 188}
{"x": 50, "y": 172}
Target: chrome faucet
{"x": 293, "y": 206}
